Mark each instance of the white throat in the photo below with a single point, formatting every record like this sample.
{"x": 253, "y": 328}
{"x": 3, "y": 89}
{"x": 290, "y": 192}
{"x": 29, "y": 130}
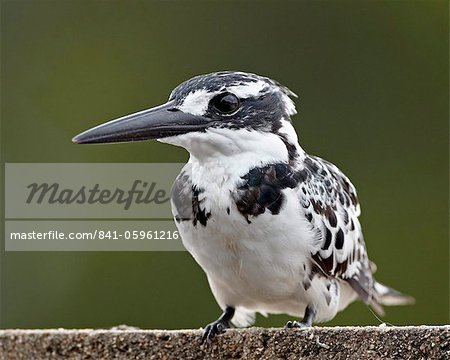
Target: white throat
{"x": 236, "y": 151}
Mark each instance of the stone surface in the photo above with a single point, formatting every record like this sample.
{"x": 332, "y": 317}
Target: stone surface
{"x": 415, "y": 342}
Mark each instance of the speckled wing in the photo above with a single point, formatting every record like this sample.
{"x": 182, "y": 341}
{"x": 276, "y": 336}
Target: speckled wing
{"x": 331, "y": 206}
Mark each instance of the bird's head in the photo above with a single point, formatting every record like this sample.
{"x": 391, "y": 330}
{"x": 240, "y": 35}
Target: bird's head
{"x": 217, "y": 112}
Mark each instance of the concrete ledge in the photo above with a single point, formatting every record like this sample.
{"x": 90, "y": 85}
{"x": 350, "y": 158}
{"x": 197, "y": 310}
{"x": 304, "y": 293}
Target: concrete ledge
{"x": 417, "y": 342}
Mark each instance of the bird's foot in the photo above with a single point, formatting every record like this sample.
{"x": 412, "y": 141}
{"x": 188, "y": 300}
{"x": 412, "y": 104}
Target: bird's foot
{"x": 219, "y": 326}
{"x": 215, "y": 328}
{"x": 310, "y": 314}
{"x": 296, "y": 324}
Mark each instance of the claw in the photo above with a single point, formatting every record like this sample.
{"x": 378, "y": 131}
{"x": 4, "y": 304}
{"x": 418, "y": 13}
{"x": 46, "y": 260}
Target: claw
{"x": 213, "y": 329}
{"x": 310, "y": 314}
{"x": 219, "y": 326}
{"x": 296, "y": 324}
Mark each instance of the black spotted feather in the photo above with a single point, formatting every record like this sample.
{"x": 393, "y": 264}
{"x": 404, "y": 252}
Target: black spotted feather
{"x": 331, "y": 206}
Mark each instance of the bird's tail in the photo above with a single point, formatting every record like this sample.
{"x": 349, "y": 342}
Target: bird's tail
{"x": 384, "y": 295}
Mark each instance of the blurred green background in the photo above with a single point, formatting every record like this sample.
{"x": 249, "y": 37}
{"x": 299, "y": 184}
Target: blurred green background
{"x": 373, "y": 84}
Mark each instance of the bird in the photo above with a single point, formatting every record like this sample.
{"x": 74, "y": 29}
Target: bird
{"x": 276, "y": 230}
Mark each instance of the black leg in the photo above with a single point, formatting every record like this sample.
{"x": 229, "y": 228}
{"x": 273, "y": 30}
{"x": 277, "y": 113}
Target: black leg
{"x": 310, "y": 314}
{"x": 219, "y": 326}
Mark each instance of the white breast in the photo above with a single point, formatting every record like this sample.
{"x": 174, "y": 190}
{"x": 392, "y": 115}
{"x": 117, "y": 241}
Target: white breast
{"x": 257, "y": 266}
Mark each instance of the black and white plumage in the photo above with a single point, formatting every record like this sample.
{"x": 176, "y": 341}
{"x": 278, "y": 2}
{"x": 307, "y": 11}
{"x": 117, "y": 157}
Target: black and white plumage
{"x": 275, "y": 230}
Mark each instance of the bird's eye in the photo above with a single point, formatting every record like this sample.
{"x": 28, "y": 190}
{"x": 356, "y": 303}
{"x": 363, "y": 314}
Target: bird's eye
{"x": 225, "y": 103}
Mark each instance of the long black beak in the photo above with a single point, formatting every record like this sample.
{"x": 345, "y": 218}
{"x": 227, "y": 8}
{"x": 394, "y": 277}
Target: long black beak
{"x": 155, "y": 123}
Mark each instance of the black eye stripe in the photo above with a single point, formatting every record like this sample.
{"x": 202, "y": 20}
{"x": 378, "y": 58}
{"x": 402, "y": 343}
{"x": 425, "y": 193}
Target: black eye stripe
{"x": 225, "y": 103}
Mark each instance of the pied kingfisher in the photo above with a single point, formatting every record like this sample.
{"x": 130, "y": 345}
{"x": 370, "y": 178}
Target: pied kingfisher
{"x": 275, "y": 230}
